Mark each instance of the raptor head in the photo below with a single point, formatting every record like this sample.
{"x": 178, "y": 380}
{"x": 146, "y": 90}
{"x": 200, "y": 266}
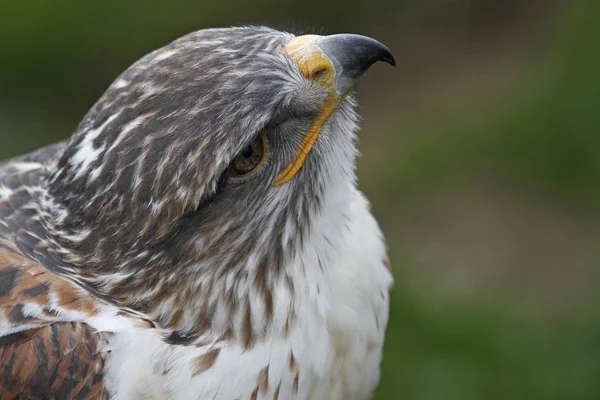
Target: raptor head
{"x": 211, "y": 157}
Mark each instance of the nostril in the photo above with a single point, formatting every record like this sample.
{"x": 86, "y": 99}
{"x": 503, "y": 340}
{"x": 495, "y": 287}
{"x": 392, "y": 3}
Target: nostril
{"x": 319, "y": 74}
{"x": 322, "y": 75}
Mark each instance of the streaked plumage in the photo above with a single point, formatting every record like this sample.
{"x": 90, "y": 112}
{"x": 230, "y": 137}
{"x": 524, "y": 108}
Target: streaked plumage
{"x": 201, "y": 235}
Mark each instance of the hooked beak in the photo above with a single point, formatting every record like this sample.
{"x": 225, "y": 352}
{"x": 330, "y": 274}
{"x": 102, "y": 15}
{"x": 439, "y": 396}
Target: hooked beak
{"x": 335, "y": 62}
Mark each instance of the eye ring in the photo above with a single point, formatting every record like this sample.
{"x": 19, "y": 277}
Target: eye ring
{"x": 250, "y": 159}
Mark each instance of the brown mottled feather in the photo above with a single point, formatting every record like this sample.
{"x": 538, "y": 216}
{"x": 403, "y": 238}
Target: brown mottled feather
{"x": 388, "y": 265}
{"x": 59, "y": 361}
{"x": 23, "y": 282}
{"x": 263, "y": 380}
{"x": 206, "y": 361}
{"x": 44, "y": 358}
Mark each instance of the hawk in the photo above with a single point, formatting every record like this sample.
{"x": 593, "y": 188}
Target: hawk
{"x": 201, "y": 235}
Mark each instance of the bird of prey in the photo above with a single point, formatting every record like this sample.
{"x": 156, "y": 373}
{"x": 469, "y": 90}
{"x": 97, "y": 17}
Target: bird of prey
{"x": 201, "y": 234}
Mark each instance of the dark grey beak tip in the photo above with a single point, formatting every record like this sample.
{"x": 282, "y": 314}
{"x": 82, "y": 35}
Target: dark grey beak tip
{"x": 352, "y": 55}
{"x": 379, "y": 51}
{"x": 355, "y": 52}
{"x": 389, "y": 58}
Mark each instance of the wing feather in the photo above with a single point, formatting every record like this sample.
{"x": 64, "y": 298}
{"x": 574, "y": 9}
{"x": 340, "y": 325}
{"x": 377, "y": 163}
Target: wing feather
{"x": 46, "y": 349}
{"x": 31, "y": 296}
{"x": 58, "y": 361}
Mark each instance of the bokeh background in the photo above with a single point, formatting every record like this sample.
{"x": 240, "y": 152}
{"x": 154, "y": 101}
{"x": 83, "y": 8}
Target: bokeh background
{"x": 481, "y": 158}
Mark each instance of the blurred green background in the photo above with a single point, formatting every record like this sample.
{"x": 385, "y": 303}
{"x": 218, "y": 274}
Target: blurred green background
{"x": 481, "y": 158}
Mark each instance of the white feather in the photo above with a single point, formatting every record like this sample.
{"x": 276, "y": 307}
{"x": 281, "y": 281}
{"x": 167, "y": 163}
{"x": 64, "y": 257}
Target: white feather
{"x": 341, "y": 313}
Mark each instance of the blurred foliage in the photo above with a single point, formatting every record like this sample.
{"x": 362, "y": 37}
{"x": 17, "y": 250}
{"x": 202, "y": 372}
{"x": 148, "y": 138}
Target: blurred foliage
{"x": 543, "y": 132}
{"x": 549, "y": 135}
{"x": 464, "y": 352}
{"x": 82, "y": 46}
{"x": 550, "y": 138}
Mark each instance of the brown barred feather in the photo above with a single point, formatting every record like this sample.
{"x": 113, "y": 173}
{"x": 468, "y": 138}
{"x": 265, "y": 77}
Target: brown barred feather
{"x": 24, "y": 282}
{"x": 59, "y": 361}
{"x": 40, "y": 358}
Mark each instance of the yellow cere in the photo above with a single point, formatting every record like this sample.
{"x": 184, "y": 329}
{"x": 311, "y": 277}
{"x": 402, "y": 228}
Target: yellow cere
{"x": 314, "y": 65}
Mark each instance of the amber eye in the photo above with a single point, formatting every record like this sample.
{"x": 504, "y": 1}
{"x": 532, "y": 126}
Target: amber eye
{"x": 249, "y": 158}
